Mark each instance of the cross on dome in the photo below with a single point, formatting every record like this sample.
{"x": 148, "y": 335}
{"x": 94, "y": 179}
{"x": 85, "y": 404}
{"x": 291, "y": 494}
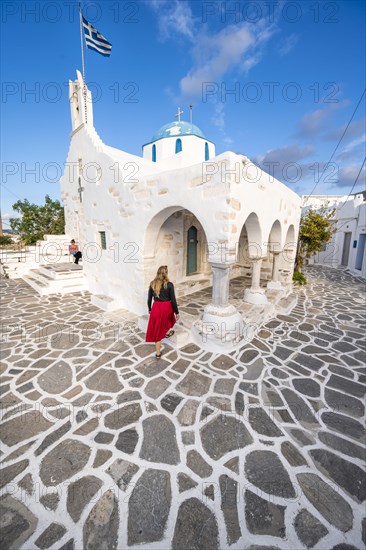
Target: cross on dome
{"x": 179, "y": 113}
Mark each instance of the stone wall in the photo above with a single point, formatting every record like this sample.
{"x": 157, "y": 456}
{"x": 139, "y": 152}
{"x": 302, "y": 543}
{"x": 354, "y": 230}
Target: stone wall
{"x": 169, "y": 247}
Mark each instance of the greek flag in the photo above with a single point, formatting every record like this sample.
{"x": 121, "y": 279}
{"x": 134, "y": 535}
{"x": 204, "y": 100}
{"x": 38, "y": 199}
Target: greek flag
{"x": 96, "y": 41}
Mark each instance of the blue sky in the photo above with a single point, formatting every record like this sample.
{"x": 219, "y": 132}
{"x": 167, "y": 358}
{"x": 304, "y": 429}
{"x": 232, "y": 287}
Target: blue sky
{"x": 296, "y": 69}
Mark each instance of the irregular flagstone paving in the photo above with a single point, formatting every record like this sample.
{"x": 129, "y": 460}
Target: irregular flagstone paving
{"x": 104, "y": 447}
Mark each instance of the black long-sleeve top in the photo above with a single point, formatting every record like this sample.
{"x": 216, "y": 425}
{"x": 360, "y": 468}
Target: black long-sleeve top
{"x": 166, "y": 295}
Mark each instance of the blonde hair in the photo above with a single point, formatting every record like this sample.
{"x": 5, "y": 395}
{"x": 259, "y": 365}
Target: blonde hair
{"x": 161, "y": 279}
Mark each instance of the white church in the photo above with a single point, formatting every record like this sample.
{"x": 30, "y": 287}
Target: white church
{"x": 209, "y": 217}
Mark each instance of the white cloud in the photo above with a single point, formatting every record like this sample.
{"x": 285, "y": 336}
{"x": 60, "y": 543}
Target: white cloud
{"x": 347, "y": 176}
{"x": 174, "y": 18}
{"x": 288, "y": 44}
{"x": 218, "y": 120}
{"x": 355, "y": 143}
{"x": 234, "y": 47}
{"x": 353, "y": 130}
{"x": 312, "y": 123}
{"x": 316, "y": 122}
{"x": 219, "y": 115}
{"x": 286, "y": 154}
{"x": 286, "y": 163}
{"x": 228, "y": 141}
{"x": 215, "y": 54}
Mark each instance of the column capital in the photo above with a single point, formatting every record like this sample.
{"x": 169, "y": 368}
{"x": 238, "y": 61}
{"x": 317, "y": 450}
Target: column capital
{"x": 218, "y": 265}
{"x": 254, "y": 260}
{"x": 274, "y": 248}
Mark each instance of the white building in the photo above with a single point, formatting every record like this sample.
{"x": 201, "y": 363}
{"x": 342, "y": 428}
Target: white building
{"x": 347, "y": 246}
{"x": 208, "y": 217}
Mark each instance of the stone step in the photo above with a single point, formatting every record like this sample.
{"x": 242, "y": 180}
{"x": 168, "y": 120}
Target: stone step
{"x": 17, "y": 270}
{"x": 43, "y": 278}
{"x": 180, "y": 337}
{"x": 106, "y": 303}
{"x": 186, "y": 288}
{"x": 287, "y": 303}
{"x": 46, "y": 277}
{"x": 45, "y": 286}
{"x": 62, "y": 271}
{"x": 40, "y": 287}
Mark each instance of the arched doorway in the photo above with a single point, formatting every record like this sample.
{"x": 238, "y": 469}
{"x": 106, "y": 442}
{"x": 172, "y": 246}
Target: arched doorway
{"x": 192, "y": 242}
{"x": 273, "y": 261}
{"x": 288, "y": 256}
{"x": 173, "y": 236}
{"x": 250, "y": 244}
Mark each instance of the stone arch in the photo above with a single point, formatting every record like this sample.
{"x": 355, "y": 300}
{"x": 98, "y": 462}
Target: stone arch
{"x": 274, "y": 243}
{"x": 275, "y": 237}
{"x": 290, "y": 234}
{"x": 288, "y": 254}
{"x": 165, "y": 242}
{"x": 290, "y": 243}
{"x": 153, "y": 227}
{"x": 250, "y": 243}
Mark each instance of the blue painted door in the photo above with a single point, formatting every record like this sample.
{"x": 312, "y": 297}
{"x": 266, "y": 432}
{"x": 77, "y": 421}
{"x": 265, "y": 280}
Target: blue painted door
{"x": 192, "y": 250}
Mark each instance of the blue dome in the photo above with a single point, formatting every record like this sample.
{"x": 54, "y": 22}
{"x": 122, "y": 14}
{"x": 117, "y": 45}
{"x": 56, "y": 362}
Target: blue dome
{"x": 173, "y": 129}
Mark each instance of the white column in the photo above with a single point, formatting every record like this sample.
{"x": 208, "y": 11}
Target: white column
{"x": 275, "y": 283}
{"x": 255, "y": 294}
{"x": 221, "y": 322}
{"x": 256, "y": 273}
{"x": 220, "y": 284}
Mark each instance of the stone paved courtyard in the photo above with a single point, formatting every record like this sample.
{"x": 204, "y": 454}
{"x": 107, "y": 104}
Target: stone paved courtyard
{"x": 103, "y": 446}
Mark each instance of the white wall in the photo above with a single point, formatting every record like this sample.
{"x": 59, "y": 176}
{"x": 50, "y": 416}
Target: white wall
{"x": 193, "y": 151}
{"x": 351, "y": 218}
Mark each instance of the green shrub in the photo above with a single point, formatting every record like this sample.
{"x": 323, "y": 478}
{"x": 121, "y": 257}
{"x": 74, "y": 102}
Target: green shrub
{"x": 5, "y": 239}
{"x": 299, "y": 278}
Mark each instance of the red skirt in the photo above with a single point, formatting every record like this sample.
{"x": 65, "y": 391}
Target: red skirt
{"x": 161, "y": 320}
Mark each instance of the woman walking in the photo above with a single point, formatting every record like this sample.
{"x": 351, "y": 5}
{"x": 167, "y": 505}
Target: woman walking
{"x": 162, "y": 318}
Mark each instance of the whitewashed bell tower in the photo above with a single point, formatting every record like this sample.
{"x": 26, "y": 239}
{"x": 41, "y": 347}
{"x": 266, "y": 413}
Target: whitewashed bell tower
{"x": 80, "y": 103}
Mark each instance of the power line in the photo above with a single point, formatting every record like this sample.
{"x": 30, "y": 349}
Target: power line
{"x": 17, "y": 196}
{"x": 334, "y": 152}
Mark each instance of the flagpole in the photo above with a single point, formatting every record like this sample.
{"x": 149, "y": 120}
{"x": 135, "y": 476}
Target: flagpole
{"x": 82, "y": 62}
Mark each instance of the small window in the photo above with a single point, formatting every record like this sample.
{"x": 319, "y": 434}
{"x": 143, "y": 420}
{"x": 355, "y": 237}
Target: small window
{"x": 103, "y": 241}
{"x": 207, "y": 154}
{"x": 178, "y": 146}
{"x": 153, "y": 153}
